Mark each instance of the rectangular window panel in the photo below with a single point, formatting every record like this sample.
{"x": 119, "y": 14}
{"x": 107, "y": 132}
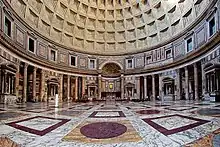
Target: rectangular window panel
{"x": 168, "y": 53}
{"x": 212, "y": 27}
{"x": 130, "y": 63}
{"x": 31, "y": 46}
{"x": 92, "y": 64}
{"x": 189, "y": 45}
{"x": 53, "y": 55}
{"x": 7, "y": 27}
{"x": 73, "y": 61}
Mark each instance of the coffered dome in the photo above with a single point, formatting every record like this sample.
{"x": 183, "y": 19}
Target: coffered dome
{"x": 109, "y": 26}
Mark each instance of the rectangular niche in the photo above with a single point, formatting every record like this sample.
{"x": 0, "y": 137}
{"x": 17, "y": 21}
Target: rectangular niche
{"x": 101, "y": 25}
{"x": 131, "y": 34}
{"x": 74, "y": 4}
{"x": 110, "y": 14}
{"x": 177, "y": 26}
{"x": 110, "y": 25}
{"x": 91, "y": 23}
{"x": 100, "y": 46}
{"x": 81, "y": 20}
{"x": 141, "y": 31}
{"x": 56, "y": 34}
{"x": 121, "y": 46}
{"x": 79, "y": 42}
{"x": 68, "y": 39}
{"x": 100, "y": 36}
{"x": 101, "y": 14}
{"x": 92, "y": 12}
{"x": 110, "y": 46}
{"x": 120, "y": 25}
{"x": 129, "y": 23}
{"x": 72, "y": 16}
{"x": 19, "y": 6}
{"x": 69, "y": 27}
{"x": 32, "y": 18}
{"x": 119, "y": 14}
{"x": 89, "y": 45}
{"x": 36, "y": 5}
{"x": 131, "y": 45}
{"x": 142, "y": 42}
{"x": 79, "y": 32}
{"x": 61, "y": 9}
{"x": 120, "y": 36}
{"x": 139, "y": 20}
{"x": 153, "y": 39}
{"x": 110, "y": 36}
{"x": 90, "y": 34}
{"x": 58, "y": 22}
{"x": 164, "y": 34}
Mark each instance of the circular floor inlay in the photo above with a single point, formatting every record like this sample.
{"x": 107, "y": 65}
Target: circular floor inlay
{"x": 148, "y": 111}
{"x": 208, "y": 111}
{"x": 103, "y": 130}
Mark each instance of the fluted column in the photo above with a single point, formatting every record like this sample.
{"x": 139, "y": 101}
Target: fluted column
{"x": 25, "y": 83}
{"x": 161, "y": 88}
{"x": 203, "y": 80}
{"x": 17, "y": 81}
{"x": 178, "y": 86}
{"x": 145, "y": 87}
{"x": 61, "y": 88}
{"x": 138, "y": 87}
{"x": 76, "y": 88}
{"x": 68, "y": 87}
{"x": 196, "y": 82}
{"x": 153, "y": 88}
{"x": 42, "y": 86}
{"x": 83, "y": 86}
{"x": 100, "y": 85}
{"x": 34, "y": 82}
{"x": 186, "y": 82}
{"x": 122, "y": 86}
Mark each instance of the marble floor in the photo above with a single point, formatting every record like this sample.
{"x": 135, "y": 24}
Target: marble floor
{"x": 119, "y": 124}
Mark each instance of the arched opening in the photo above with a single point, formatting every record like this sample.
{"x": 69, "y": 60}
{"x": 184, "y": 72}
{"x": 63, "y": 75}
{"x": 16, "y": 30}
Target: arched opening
{"x": 111, "y": 81}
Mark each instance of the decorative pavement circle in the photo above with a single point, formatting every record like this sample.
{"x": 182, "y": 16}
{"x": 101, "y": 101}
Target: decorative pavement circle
{"x": 151, "y": 111}
{"x": 103, "y": 130}
{"x": 209, "y": 112}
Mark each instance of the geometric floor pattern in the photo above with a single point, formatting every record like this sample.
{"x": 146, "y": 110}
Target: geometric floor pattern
{"x": 102, "y": 124}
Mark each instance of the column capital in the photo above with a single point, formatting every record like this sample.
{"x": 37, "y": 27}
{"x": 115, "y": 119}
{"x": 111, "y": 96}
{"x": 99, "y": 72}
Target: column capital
{"x": 26, "y": 65}
{"x": 35, "y": 69}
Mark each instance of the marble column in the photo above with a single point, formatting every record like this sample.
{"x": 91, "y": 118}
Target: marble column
{"x": 178, "y": 85}
{"x": 161, "y": 88}
{"x": 203, "y": 79}
{"x": 34, "y": 82}
{"x": 153, "y": 88}
{"x": 68, "y": 87}
{"x": 61, "y": 88}
{"x": 196, "y": 89}
{"x": 25, "y": 83}
{"x": 145, "y": 87}
{"x": 99, "y": 85}
{"x": 138, "y": 87}
{"x": 42, "y": 86}
{"x": 122, "y": 86}
{"x": 76, "y": 88}
{"x": 17, "y": 75}
{"x": 186, "y": 83}
{"x": 83, "y": 86}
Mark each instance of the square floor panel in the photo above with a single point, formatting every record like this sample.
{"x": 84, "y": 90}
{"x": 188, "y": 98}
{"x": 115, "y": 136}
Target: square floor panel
{"x": 86, "y": 132}
{"x": 38, "y": 125}
{"x": 107, "y": 114}
{"x": 172, "y": 124}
